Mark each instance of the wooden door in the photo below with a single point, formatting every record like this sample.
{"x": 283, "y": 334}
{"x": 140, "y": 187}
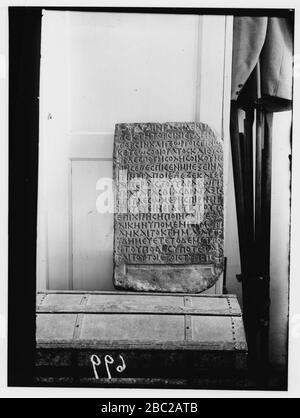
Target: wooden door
{"x": 99, "y": 69}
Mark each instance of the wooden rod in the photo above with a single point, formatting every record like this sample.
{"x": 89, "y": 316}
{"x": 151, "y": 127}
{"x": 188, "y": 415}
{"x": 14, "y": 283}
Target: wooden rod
{"x": 237, "y": 148}
{"x": 266, "y": 191}
{"x": 266, "y": 239}
{"x": 237, "y": 163}
{"x": 249, "y": 186}
{"x": 258, "y": 188}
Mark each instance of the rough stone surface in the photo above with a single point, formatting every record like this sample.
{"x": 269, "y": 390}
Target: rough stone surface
{"x": 168, "y": 207}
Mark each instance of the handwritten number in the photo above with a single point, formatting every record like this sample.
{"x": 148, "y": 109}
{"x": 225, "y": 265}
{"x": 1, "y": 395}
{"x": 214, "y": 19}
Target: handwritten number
{"x": 95, "y": 362}
{"x": 108, "y": 360}
{"x": 121, "y": 368}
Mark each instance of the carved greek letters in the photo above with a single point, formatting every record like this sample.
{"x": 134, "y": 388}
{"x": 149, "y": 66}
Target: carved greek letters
{"x": 169, "y": 195}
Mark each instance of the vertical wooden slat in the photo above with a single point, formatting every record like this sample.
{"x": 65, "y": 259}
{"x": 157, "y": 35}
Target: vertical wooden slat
{"x": 54, "y": 163}
{"x": 258, "y": 184}
{"x": 249, "y": 173}
{"x": 229, "y": 237}
{"x": 238, "y": 182}
{"x": 266, "y": 189}
{"x": 188, "y": 332}
{"x": 258, "y": 171}
{"x": 239, "y": 154}
{"x": 79, "y": 318}
{"x": 188, "y": 328}
{"x": 266, "y": 242}
{"x": 199, "y": 69}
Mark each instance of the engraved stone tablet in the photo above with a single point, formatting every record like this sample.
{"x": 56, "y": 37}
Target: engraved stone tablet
{"x": 168, "y": 207}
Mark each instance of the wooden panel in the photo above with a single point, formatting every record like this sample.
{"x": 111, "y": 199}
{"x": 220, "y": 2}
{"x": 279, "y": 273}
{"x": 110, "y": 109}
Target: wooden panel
{"x": 92, "y": 231}
{"x": 133, "y": 327}
{"x": 133, "y": 49}
{"x": 166, "y": 346}
{"x": 145, "y": 345}
{"x": 212, "y": 72}
{"x": 212, "y": 329}
{"x": 210, "y": 303}
{"x": 239, "y": 333}
{"x": 39, "y": 298}
{"x": 52, "y": 327}
{"x": 91, "y": 146}
{"x": 209, "y": 383}
{"x": 54, "y": 167}
{"x": 120, "y": 299}
{"x": 57, "y": 299}
{"x": 130, "y": 307}
{"x": 134, "y": 330}
{"x": 141, "y": 367}
{"x": 140, "y": 303}
{"x": 145, "y": 294}
{"x": 226, "y": 305}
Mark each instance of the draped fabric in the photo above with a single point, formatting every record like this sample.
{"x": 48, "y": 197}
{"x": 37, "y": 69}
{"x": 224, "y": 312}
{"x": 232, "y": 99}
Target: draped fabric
{"x": 262, "y": 61}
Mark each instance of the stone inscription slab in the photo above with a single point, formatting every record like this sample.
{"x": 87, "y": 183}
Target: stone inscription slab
{"x": 168, "y": 207}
